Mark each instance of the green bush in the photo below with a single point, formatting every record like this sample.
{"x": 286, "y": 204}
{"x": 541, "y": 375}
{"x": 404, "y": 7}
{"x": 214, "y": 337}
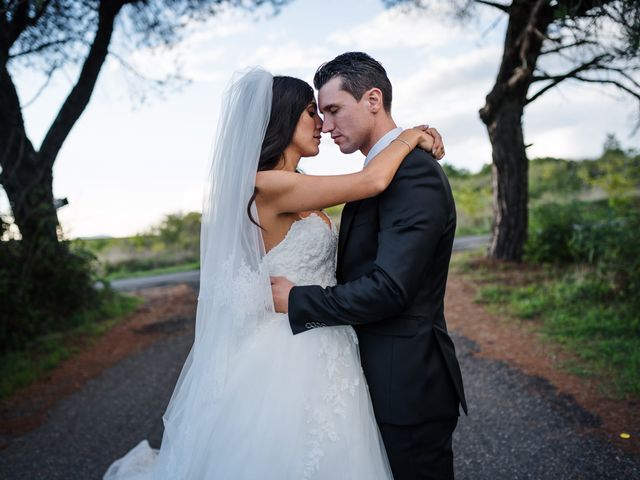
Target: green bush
{"x": 598, "y": 234}
{"x": 472, "y": 193}
{"x": 173, "y": 241}
{"x": 551, "y": 228}
{"x": 554, "y": 175}
{"x": 41, "y": 294}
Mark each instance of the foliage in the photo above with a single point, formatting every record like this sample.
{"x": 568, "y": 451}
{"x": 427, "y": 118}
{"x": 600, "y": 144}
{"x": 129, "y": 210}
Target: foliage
{"x": 617, "y": 173}
{"x": 174, "y": 241}
{"x": 180, "y": 230}
{"x": 612, "y": 177}
{"x": 554, "y": 175}
{"x": 570, "y": 306}
{"x": 21, "y": 366}
{"x": 591, "y": 233}
{"x": 42, "y": 293}
{"x": 54, "y": 34}
{"x": 472, "y": 194}
{"x": 454, "y": 172}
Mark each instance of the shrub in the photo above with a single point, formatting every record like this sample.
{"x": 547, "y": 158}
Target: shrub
{"x": 594, "y": 233}
{"x": 41, "y": 294}
{"x": 551, "y": 229}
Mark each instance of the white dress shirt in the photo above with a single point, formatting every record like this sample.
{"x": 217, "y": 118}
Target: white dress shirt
{"x": 381, "y": 144}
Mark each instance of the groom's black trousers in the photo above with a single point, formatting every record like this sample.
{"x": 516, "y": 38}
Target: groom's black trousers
{"x": 420, "y": 451}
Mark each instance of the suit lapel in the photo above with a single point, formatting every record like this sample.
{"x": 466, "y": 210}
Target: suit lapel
{"x": 348, "y": 214}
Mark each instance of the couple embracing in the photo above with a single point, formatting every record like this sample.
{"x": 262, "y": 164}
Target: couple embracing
{"x": 316, "y": 355}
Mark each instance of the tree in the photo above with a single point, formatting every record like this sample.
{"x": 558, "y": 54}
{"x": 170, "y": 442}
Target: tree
{"x": 48, "y": 34}
{"x": 45, "y": 282}
{"x": 547, "y": 42}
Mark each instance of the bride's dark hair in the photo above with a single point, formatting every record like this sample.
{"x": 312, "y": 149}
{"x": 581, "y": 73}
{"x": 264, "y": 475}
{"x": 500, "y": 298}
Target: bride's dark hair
{"x": 290, "y": 97}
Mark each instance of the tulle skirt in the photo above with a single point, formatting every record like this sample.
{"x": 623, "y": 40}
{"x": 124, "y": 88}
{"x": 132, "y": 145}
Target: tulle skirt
{"x": 293, "y": 407}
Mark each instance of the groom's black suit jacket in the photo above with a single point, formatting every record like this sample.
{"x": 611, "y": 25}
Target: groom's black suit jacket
{"x": 393, "y": 260}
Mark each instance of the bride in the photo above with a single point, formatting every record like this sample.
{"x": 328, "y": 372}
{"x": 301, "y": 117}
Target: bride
{"x": 253, "y": 401}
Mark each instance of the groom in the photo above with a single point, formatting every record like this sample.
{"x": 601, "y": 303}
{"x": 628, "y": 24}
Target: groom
{"x": 393, "y": 259}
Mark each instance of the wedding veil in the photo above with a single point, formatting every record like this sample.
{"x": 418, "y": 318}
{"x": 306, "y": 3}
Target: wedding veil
{"x": 235, "y": 291}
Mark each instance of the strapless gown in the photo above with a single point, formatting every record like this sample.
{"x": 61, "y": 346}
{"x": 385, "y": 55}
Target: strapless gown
{"x": 295, "y": 406}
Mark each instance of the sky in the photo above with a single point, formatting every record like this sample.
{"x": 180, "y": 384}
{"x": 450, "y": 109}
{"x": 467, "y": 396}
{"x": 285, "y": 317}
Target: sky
{"x": 125, "y": 165}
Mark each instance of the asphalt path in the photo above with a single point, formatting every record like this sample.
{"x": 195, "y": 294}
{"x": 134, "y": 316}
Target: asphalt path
{"x": 193, "y": 276}
{"x": 519, "y": 427}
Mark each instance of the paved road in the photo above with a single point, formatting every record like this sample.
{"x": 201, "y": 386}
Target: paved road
{"x": 128, "y": 284}
{"x": 519, "y": 427}
{"x": 193, "y": 276}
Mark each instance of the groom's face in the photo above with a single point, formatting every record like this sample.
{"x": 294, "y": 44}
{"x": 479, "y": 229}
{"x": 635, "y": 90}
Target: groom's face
{"x": 349, "y": 121}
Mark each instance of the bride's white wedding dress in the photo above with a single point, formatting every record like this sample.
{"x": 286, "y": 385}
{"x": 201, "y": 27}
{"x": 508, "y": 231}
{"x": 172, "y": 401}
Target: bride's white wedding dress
{"x": 294, "y": 407}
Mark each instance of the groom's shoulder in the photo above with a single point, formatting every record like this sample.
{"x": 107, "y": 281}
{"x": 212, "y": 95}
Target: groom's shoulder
{"x": 420, "y": 162}
{"x": 420, "y": 168}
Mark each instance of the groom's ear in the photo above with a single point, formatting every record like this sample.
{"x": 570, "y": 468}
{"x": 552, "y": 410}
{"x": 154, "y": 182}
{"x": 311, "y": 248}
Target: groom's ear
{"x": 374, "y": 100}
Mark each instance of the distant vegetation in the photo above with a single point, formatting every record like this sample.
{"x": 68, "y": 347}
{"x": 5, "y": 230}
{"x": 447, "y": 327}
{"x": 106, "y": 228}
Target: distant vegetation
{"x": 581, "y": 276}
{"x": 174, "y": 242}
{"x": 614, "y": 176}
{"x": 608, "y": 185}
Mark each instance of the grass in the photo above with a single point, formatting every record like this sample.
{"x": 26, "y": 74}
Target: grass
{"x": 19, "y": 368}
{"x": 571, "y": 307}
{"x": 184, "y": 267}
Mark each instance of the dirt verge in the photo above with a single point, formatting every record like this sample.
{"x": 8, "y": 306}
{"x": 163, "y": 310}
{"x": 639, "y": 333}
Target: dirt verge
{"x": 165, "y": 311}
{"x": 518, "y": 344}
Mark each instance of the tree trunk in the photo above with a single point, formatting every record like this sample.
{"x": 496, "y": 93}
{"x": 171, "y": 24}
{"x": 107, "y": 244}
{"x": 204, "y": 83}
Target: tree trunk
{"x": 509, "y": 183}
{"x": 502, "y": 114}
{"x": 29, "y": 189}
{"x": 27, "y": 175}
{"x": 26, "y": 180}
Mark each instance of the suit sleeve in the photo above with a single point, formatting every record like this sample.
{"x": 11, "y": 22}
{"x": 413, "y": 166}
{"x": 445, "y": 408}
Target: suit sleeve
{"x": 413, "y": 213}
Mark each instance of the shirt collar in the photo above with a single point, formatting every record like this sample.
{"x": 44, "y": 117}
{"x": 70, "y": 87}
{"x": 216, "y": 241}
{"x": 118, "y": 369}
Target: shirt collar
{"x": 381, "y": 144}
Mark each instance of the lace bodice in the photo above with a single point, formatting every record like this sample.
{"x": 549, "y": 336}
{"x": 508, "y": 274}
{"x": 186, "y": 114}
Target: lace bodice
{"x": 327, "y": 406}
{"x": 307, "y": 254}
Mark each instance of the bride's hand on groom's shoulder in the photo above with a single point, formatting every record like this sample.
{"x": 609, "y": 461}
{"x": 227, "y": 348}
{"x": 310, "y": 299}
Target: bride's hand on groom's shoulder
{"x": 433, "y": 144}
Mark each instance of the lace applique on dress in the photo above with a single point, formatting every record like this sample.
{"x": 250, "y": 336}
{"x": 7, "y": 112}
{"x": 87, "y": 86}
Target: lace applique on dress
{"x": 307, "y": 254}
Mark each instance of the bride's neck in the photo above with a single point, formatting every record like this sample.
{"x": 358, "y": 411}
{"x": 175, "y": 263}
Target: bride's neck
{"x": 288, "y": 162}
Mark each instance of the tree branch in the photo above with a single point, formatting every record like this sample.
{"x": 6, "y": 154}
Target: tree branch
{"x": 618, "y": 84}
{"x": 530, "y": 42}
{"x": 19, "y": 21}
{"x": 568, "y": 45}
{"x": 39, "y": 48}
{"x": 593, "y": 64}
{"x": 499, "y": 6}
{"x": 79, "y": 96}
{"x": 41, "y": 89}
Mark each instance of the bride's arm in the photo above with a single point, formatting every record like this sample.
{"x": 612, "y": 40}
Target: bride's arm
{"x": 291, "y": 192}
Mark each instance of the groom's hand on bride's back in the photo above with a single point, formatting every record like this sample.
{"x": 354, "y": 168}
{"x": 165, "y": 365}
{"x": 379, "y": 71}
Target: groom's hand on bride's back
{"x": 280, "y": 288}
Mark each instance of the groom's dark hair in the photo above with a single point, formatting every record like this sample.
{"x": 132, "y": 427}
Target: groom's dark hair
{"x": 359, "y": 73}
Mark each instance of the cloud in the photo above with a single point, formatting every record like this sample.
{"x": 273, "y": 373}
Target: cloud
{"x": 413, "y": 28}
{"x": 391, "y": 29}
{"x": 288, "y": 57}
{"x": 447, "y": 95}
